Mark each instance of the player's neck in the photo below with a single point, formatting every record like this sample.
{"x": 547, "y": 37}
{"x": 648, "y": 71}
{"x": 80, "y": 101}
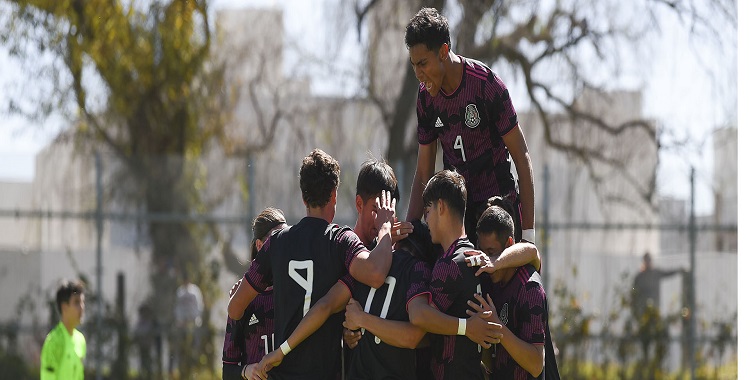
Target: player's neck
{"x": 69, "y": 325}
{"x": 453, "y": 231}
{"x": 454, "y": 72}
{"x": 326, "y": 213}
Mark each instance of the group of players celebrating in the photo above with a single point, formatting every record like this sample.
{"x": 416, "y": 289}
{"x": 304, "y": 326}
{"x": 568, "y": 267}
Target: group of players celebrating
{"x": 415, "y": 299}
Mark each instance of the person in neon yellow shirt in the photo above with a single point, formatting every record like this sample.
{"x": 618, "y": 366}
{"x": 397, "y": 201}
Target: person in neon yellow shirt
{"x": 65, "y": 347}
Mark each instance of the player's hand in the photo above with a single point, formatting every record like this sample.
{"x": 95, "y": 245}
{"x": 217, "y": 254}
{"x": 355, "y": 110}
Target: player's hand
{"x": 248, "y": 370}
{"x": 272, "y": 359}
{"x": 480, "y": 259}
{"x": 400, "y": 230}
{"x": 385, "y": 207}
{"x": 486, "y": 310}
{"x": 354, "y": 313}
{"x": 352, "y": 337}
{"x": 476, "y": 258}
{"x": 482, "y": 306}
{"x": 235, "y": 287}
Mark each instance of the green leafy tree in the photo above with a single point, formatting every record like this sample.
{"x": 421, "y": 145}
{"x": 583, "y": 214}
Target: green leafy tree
{"x": 135, "y": 81}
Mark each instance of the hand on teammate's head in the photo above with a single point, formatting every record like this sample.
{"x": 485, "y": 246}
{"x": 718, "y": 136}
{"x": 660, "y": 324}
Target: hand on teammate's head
{"x": 400, "y": 230}
{"x": 385, "y": 207}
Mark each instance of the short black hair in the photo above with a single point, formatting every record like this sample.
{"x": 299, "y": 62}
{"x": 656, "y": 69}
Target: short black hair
{"x": 318, "y": 177}
{"x": 374, "y": 177}
{"x": 419, "y": 243}
{"x": 66, "y": 290}
{"x": 449, "y": 186}
{"x": 497, "y": 218}
{"x": 428, "y": 27}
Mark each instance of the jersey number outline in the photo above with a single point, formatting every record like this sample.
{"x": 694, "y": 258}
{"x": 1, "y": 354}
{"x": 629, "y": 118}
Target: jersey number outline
{"x": 391, "y": 282}
{"x": 305, "y": 282}
{"x": 265, "y": 342}
{"x": 459, "y": 144}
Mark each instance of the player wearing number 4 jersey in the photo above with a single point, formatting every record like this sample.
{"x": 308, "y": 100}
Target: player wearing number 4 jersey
{"x": 304, "y": 261}
{"x": 467, "y": 107}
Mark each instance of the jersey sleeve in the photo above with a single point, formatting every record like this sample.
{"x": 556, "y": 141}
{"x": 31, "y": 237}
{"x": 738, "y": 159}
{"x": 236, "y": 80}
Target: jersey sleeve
{"x": 500, "y": 108}
{"x": 419, "y": 281}
{"x": 426, "y": 131}
{"x": 532, "y": 313}
{"x": 52, "y": 354}
{"x": 445, "y": 284}
{"x": 259, "y": 275}
{"x": 350, "y": 245}
{"x": 348, "y": 281}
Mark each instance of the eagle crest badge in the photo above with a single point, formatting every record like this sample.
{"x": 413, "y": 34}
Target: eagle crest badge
{"x": 472, "y": 116}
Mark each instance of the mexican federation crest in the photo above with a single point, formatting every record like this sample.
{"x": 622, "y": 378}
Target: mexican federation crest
{"x": 472, "y": 116}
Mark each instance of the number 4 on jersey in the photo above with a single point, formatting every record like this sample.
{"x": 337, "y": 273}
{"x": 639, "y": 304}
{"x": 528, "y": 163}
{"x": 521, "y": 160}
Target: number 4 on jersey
{"x": 459, "y": 144}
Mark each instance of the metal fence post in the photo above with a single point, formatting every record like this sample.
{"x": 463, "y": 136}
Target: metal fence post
{"x": 99, "y": 233}
{"x": 250, "y": 190}
{"x": 692, "y": 236}
{"x": 545, "y": 228}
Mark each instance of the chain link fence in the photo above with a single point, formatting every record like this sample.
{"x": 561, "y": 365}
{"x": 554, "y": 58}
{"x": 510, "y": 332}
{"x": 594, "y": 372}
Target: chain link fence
{"x": 94, "y": 221}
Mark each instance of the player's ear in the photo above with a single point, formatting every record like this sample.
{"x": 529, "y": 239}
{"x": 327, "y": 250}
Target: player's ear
{"x": 509, "y": 242}
{"x": 258, "y": 244}
{"x": 443, "y": 52}
{"x": 440, "y": 206}
{"x": 360, "y": 203}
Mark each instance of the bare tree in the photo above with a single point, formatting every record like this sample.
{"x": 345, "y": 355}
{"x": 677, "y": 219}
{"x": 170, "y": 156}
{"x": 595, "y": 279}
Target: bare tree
{"x": 558, "y": 50}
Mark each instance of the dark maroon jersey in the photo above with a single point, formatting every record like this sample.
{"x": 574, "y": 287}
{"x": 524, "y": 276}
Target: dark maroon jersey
{"x": 522, "y": 307}
{"x": 251, "y": 337}
{"x": 303, "y": 262}
{"x": 470, "y": 124}
{"x": 453, "y": 285}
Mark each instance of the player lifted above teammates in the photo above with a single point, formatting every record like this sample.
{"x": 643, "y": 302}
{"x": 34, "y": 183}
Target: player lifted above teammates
{"x": 467, "y": 107}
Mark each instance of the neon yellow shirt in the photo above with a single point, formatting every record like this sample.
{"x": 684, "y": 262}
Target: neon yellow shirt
{"x": 63, "y": 354}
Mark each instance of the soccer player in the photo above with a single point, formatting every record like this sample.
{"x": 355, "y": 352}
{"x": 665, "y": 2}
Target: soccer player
{"x": 247, "y": 340}
{"x": 304, "y": 261}
{"x": 376, "y": 176}
{"x": 442, "y": 311}
{"x": 64, "y": 348}
{"x": 386, "y": 350}
{"x": 520, "y": 352}
{"x": 467, "y": 107}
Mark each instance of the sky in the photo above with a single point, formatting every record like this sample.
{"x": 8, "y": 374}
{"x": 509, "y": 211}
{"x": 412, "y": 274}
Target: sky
{"x": 675, "y": 94}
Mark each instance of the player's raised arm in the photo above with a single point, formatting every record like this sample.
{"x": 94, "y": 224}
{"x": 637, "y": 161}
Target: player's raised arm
{"x": 518, "y": 150}
{"x": 371, "y": 267}
{"x": 514, "y": 256}
{"x": 425, "y": 169}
